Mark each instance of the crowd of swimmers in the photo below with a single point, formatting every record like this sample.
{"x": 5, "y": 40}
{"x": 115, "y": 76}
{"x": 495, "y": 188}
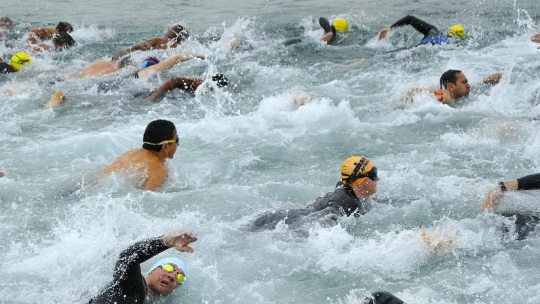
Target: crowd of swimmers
{"x": 358, "y": 174}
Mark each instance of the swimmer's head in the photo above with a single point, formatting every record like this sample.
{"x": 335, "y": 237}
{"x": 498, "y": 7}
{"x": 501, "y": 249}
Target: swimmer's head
{"x": 456, "y": 31}
{"x": 64, "y": 27}
{"x": 156, "y": 132}
{"x": 19, "y": 59}
{"x": 150, "y": 61}
{"x": 447, "y": 77}
{"x": 341, "y": 25}
{"x": 221, "y": 80}
{"x": 6, "y": 22}
{"x": 356, "y": 169}
{"x": 177, "y": 33}
{"x": 62, "y": 40}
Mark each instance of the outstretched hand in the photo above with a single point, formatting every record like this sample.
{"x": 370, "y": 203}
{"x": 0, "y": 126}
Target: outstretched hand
{"x": 493, "y": 79}
{"x": 383, "y": 33}
{"x": 536, "y": 38}
{"x": 492, "y": 196}
{"x": 180, "y": 240}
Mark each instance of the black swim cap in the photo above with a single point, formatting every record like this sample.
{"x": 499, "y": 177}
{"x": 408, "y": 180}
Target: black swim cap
{"x": 221, "y": 80}
{"x": 64, "y": 27}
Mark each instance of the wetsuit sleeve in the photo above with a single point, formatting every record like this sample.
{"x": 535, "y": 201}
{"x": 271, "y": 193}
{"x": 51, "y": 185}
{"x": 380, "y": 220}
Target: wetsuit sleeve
{"x": 128, "y": 265}
{"x": 420, "y": 25}
{"x": 529, "y": 182}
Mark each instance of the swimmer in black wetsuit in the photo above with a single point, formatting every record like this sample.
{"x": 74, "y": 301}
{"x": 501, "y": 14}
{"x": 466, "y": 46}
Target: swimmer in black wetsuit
{"x": 431, "y": 33}
{"x": 340, "y": 25}
{"x": 525, "y": 222}
{"x": 17, "y": 61}
{"x": 358, "y": 182}
{"x": 130, "y": 286}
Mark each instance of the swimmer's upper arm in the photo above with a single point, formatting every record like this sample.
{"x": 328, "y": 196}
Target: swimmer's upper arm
{"x": 155, "y": 180}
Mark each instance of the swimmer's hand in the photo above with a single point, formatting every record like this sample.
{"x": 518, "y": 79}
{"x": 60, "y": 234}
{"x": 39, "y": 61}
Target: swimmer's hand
{"x": 493, "y": 79}
{"x": 189, "y": 55}
{"x": 180, "y": 240}
{"x": 327, "y": 37}
{"x": 383, "y": 33}
{"x": 493, "y": 196}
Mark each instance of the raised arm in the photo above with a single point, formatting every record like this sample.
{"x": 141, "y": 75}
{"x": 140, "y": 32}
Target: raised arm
{"x": 420, "y": 25}
{"x": 169, "y": 63}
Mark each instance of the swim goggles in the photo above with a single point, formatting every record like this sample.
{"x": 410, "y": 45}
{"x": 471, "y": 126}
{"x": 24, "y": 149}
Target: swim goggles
{"x": 170, "y": 141}
{"x": 170, "y": 269}
{"x": 372, "y": 174}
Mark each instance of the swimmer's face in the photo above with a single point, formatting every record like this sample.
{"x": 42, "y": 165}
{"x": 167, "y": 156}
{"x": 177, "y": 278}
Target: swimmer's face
{"x": 161, "y": 282}
{"x": 172, "y": 147}
{"x": 366, "y": 189}
{"x": 461, "y": 88}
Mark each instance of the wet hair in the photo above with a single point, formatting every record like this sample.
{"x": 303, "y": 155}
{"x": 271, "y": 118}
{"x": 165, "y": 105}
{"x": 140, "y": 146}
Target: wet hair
{"x": 63, "y": 39}
{"x": 6, "y": 22}
{"x": 64, "y": 27}
{"x": 177, "y": 33}
{"x": 156, "y": 132}
{"x": 447, "y": 77}
{"x": 221, "y": 80}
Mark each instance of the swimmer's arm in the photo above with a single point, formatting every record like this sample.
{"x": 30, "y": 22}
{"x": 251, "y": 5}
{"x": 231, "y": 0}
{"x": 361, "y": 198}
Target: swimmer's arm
{"x": 128, "y": 264}
{"x": 169, "y": 63}
{"x": 327, "y": 37}
{"x": 495, "y": 194}
{"x": 420, "y": 25}
{"x": 186, "y": 84}
{"x": 536, "y": 38}
{"x": 493, "y": 79}
{"x": 143, "y": 46}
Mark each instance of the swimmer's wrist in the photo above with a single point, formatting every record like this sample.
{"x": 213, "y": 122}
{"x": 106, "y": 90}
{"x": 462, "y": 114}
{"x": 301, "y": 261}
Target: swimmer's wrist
{"x": 503, "y": 186}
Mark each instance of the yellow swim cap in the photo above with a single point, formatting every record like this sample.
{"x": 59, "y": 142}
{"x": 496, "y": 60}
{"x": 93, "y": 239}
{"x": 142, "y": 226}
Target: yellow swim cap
{"x": 457, "y": 31}
{"x": 341, "y": 25}
{"x": 354, "y": 169}
{"x": 18, "y": 60}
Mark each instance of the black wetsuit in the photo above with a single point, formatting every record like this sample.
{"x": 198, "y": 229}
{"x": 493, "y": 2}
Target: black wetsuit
{"x": 431, "y": 33}
{"x": 383, "y": 297}
{"x": 342, "y": 201}
{"x": 524, "y": 222}
{"x": 6, "y": 68}
{"x": 129, "y": 285}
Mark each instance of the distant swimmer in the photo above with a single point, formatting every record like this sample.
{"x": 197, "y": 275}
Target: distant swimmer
{"x": 431, "y": 33}
{"x": 525, "y": 222}
{"x": 15, "y": 64}
{"x": 130, "y": 286}
{"x": 5, "y": 24}
{"x": 358, "y": 182}
{"x": 56, "y": 100}
{"x": 60, "y": 41}
{"x": 175, "y": 36}
{"x": 330, "y": 31}
{"x": 145, "y": 167}
{"x": 536, "y": 38}
{"x": 47, "y": 33}
{"x": 185, "y": 84}
{"x": 453, "y": 85}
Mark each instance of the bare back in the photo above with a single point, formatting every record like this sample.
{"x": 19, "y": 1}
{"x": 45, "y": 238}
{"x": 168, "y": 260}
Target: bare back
{"x": 142, "y": 168}
{"x": 43, "y": 33}
{"x": 99, "y": 68}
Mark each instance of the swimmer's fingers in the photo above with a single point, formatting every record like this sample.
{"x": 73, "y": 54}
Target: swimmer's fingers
{"x": 383, "y": 33}
{"x": 180, "y": 241}
{"x": 327, "y": 37}
{"x": 493, "y": 79}
{"x": 536, "y": 38}
{"x": 492, "y": 196}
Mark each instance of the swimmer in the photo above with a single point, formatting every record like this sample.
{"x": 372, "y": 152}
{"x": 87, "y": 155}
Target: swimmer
{"x": 47, "y": 33}
{"x": 536, "y": 38}
{"x": 358, "y": 182}
{"x": 60, "y": 41}
{"x": 5, "y": 24}
{"x": 151, "y": 65}
{"x": 330, "y": 31}
{"x": 130, "y": 286}
{"x": 104, "y": 67}
{"x": 174, "y": 37}
{"x": 525, "y": 222}
{"x": 432, "y": 35}
{"x": 15, "y": 64}
{"x": 146, "y": 166}
{"x": 453, "y": 85}
{"x": 382, "y": 297}
{"x": 188, "y": 85}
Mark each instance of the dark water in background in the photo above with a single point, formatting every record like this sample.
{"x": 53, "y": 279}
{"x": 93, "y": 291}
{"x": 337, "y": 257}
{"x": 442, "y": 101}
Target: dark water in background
{"x": 245, "y": 151}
